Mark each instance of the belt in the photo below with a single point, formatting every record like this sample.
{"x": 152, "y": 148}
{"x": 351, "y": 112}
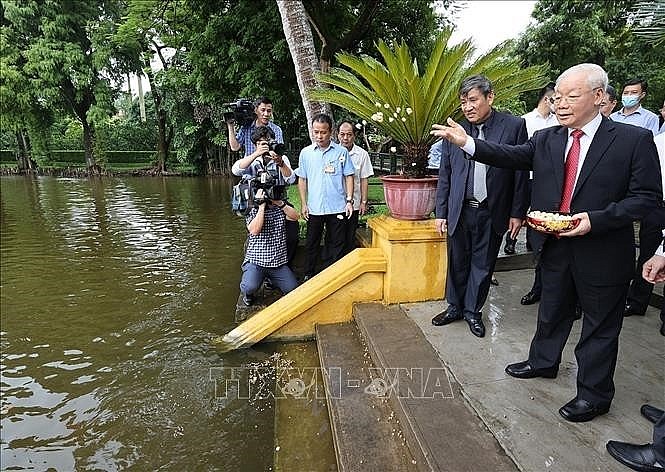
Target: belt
{"x": 475, "y": 203}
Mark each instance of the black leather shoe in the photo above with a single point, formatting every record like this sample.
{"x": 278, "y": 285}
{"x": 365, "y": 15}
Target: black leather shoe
{"x": 530, "y": 298}
{"x": 578, "y": 410}
{"x": 445, "y": 317}
{"x": 631, "y": 310}
{"x": 524, "y": 370}
{"x": 509, "y": 248}
{"x": 636, "y": 457}
{"x": 493, "y": 281}
{"x": 651, "y": 413}
{"x": 247, "y": 300}
{"x": 476, "y": 326}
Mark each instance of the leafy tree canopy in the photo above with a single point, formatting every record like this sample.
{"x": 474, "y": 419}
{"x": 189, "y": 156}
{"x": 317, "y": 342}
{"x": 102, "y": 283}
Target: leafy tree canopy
{"x": 568, "y": 32}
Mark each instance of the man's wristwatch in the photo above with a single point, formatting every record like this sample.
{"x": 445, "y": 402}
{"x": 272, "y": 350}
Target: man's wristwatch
{"x": 349, "y": 200}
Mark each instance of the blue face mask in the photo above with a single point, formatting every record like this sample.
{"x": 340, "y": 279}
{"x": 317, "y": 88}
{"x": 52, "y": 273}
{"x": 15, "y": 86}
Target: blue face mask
{"x": 629, "y": 101}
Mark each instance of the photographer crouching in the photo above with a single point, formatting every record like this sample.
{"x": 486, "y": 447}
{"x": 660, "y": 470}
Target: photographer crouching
{"x": 265, "y": 254}
{"x": 267, "y": 157}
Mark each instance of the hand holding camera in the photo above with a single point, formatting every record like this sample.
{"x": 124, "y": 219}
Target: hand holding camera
{"x": 260, "y": 197}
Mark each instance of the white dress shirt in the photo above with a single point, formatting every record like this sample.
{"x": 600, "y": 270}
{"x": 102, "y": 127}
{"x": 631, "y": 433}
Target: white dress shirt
{"x": 535, "y": 121}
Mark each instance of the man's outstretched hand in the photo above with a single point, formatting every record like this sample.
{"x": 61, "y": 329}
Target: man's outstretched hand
{"x": 453, "y": 132}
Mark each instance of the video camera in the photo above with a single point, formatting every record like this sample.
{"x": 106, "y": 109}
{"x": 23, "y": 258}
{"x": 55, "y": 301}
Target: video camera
{"x": 241, "y": 111}
{"x": 268, "y": 182}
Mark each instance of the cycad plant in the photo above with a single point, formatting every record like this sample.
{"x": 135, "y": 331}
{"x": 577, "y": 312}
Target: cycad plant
{"x": 404, "y": 103}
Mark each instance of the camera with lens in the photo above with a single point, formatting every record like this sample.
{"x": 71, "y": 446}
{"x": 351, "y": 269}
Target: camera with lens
{"x": 266, "y": 181}
{"x": 241, "y": 111}
{"x": 277, "y": 148}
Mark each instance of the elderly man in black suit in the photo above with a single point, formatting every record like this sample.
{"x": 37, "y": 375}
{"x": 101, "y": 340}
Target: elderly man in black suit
{"x": 606, "y": 174}
{"x": 476, "y": 203}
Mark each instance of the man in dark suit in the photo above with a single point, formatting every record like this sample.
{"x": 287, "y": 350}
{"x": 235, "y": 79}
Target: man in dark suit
{"x": 476, "y": 204}
{"x": 606, "y": 174}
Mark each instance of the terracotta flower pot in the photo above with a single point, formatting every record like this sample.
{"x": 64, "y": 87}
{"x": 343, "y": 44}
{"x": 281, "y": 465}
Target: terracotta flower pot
{"x": 409, "y": 198}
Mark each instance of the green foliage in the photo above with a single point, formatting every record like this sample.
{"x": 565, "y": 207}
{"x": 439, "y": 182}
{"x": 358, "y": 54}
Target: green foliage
{"x": 403, "y": 101}
{"x": 569, "y": 32}
{"x": 649, "y": 21}
{"x": 58, "y": 61}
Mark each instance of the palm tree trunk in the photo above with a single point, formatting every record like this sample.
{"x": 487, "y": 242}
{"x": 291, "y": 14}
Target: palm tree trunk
{"x": 301, "y": 45}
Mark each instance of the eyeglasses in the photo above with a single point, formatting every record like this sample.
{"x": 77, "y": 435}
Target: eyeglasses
{"x": 570, "y": 99}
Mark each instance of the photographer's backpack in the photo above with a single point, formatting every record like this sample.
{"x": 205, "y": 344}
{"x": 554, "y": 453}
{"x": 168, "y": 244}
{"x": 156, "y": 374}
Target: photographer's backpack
{"x": 241, "y": 197}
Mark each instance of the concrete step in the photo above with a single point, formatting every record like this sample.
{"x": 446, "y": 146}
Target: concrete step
{"x": 366, "y": 434}
{"x": 440, "y": 428}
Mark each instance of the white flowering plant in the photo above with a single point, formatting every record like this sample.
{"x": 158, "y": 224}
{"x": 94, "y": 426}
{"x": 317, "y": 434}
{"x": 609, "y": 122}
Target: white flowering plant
{"x": 403, "y": 102}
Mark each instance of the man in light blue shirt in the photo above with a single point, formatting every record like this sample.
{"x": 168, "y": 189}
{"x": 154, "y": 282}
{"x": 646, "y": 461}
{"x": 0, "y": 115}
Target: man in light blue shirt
{"x": 434, "y": 157}
{"x": 632, "y": 112}
{"x": 325, "y": 185}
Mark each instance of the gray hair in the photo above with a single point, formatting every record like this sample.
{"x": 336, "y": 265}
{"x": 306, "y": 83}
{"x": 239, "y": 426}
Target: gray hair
{"x": 596, "y": 77}
{"x": 480, "y": 82}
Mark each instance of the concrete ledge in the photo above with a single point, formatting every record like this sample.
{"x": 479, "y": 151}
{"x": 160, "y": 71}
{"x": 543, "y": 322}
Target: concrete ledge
{"x": 328, "y": 297}
{"x": 365, "y": 433}
{"x": 441, "y": 430}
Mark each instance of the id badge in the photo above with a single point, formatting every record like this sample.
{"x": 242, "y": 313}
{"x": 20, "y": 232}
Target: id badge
{"x": 329, "y": 169}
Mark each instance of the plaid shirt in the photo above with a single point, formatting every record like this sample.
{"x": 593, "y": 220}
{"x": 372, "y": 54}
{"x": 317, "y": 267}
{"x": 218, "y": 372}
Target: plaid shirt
{"x": 244, "y": 136}
{"x": 268, "y": 248}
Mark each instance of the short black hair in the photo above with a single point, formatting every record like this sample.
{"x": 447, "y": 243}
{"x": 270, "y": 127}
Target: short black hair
{"x": 262, "y": 132}
{"x": 637, "y": 81}
{"x": 323, "y": 118}
{"x": 611, "y": 91}
{"x": 543, "y": 91}
{"x": 479, "y": 81}
{"x": 348, "y": 122}
{"x": 261, "y": 100}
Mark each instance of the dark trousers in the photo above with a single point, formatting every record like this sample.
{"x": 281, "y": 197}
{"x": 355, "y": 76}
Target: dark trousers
{"x": 597, "y": 348}
{"x": 537, "y": 282}
{"x": 292, "y": 240}
{"x": 537, "y": 287}
{"x": 651, "y": 237}
{"x": 472, "y": 251}
{"x": 659, "y": 440}
{"x": 253, "y": 276}
{"x": 350, "y": 232}
{"x": 334, "y": 226}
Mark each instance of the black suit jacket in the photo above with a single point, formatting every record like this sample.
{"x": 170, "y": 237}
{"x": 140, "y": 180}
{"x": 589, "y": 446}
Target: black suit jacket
{"x": 619, "y": 182}
{"x": 507, "y": 191}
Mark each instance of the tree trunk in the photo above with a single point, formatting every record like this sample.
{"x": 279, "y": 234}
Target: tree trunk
{"x": 301, "y": 46}
{"x": 89, "y": 146}
{"x": 23, "y": 159}
{"x": 164, "y": 132}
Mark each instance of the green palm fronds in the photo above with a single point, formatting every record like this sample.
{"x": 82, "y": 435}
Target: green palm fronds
{"x": 402, "y": 102}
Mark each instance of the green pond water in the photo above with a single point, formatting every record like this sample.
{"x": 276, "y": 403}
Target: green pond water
{"x": 111, "y": 292}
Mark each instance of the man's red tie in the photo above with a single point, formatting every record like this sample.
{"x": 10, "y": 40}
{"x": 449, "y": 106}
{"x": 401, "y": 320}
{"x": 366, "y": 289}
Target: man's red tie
{"x": 570, "y": 171}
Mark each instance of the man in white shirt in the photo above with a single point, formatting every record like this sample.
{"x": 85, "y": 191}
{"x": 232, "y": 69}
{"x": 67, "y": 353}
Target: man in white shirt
{"x": 346, "y": 135}
{"x": 543, "y": 115}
